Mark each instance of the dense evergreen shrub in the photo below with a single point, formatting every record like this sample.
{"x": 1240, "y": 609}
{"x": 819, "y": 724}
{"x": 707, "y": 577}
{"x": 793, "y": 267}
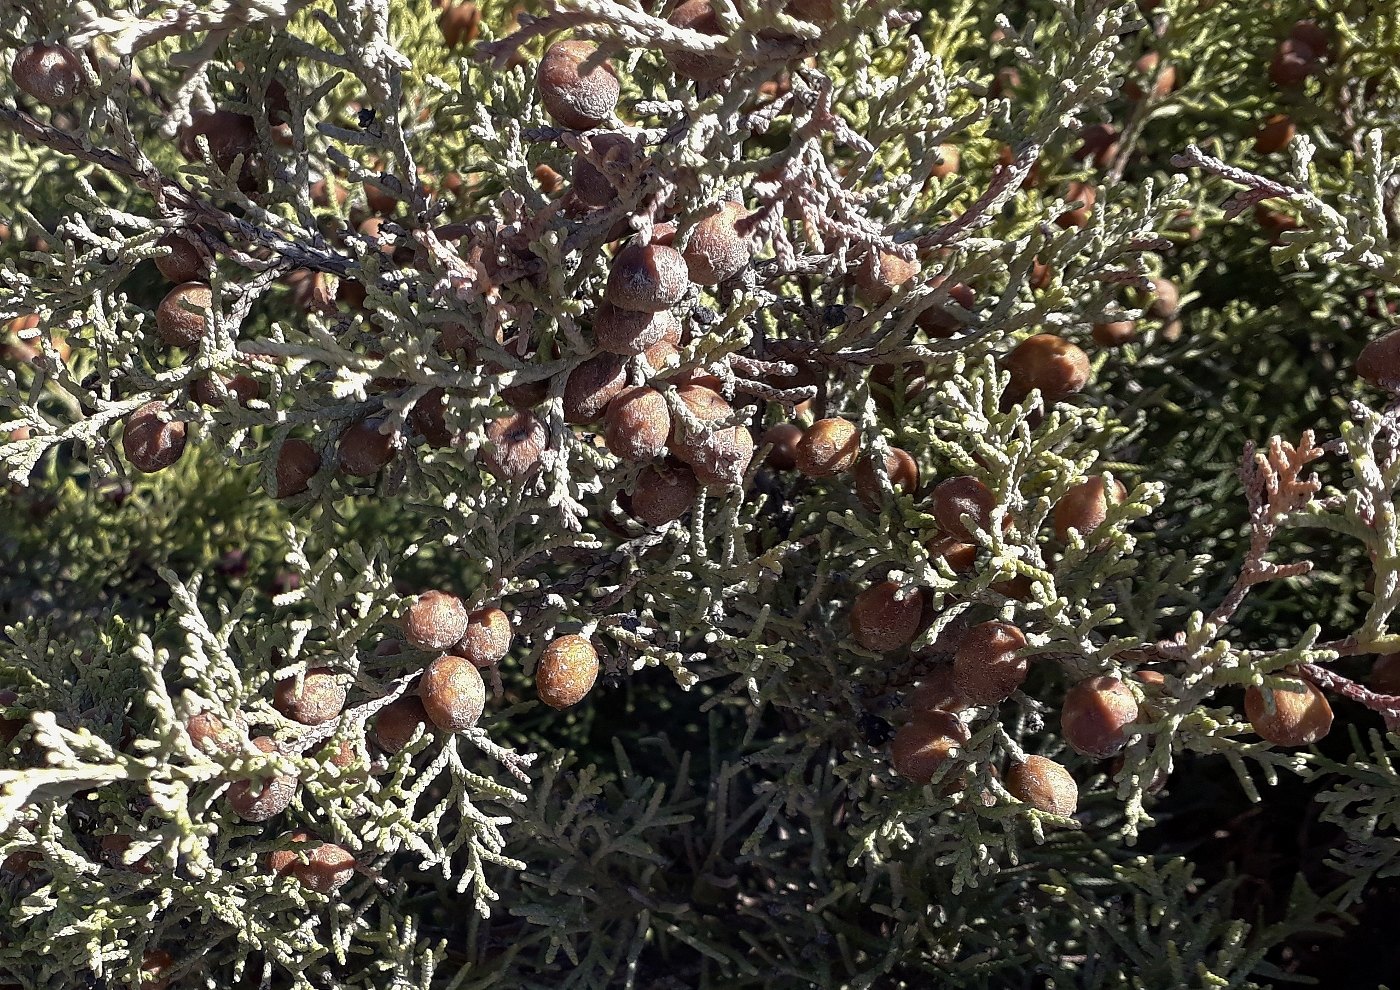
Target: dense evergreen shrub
{"x": 609, "y": 493}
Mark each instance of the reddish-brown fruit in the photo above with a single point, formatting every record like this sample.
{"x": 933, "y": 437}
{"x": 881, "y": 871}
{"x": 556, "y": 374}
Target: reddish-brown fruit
{"x": 958, "y": 497}
{"x": 435, "y": 621}
{"x": 940, "y": 323}
{"x": 428, "y": 417}
{"x": 398, "y": 722}
{"x": 935, "y": 692}
{"x": 1100, "y": 142}
{"x": 240, "y": 388}
{"x": 50, "y": 73}
{"x": 637, "y": 424}
{"x": 459, "y": 23}
{"x": 950, "y": 159}
{"x": 719, "y": 247}
{"x": 592, "y": 385}
{"x": 184, "y": 263}
{"x": 663, "y": 493}
{"x": 297, "y": 464}
{"x": 1049, "y": 363}
{"x": 1145, "y": 69}
{"x": 1275, "y": 135}
{"x": 1301, "y": 713}
{"x": 281, "y": 861}
{"x": 784, "y": 438}
{"x": 647, "y": 278}
{"x": 1115, "y": 334}
{"x": 453, "y": 693}
{"x": 578, "y": 89}
{"x": 1085, "y": 507}
{"x": 721, "y": 458}
{"x": 880, "y": 273}
{"x": 363, "y": 449}
{"x": 341, "y": 753}
{"x": 1385, "y": 674}
{"x": 257, "y": 802}
{"x": 566, "y": 672}
{"x": 986, "y": 668}
{"x": 487, "y": 637}
{"x": 828, "y": 447}
{"x": 318, "y": 700}
{"x": 883, "y": 622}
{"x": 1379, "y": 362}
{"x": 210, "y": 734}
{"x": 327, "y": 868}
{"x": 114, "y": 851}
{"x": 515, "y": 444}
{"x": 1314, "y": 35}
{"x": 592, "y": 185}
{"x": 1095, "y": 716}
{"x": 156, "y": 965}
{"x": 181, "y": 316}
{"x": 922, "y": 745}
{"x": 1044, "y": 785}
{"x": 903, "y": 473}
{"x": 1294, "y": 61}
{"x": 1078, "y": 216}
{"x": 627, "y": 331}
{"x": 897, "y": 385}
{"x": 1166, "y": 299}
{"x": 720, "y": 454}
{"x": 698, "y": 15}
{"x": 959, "y": 556}
{"x": 152, "y": 438}
{"x": 229, "y": 135}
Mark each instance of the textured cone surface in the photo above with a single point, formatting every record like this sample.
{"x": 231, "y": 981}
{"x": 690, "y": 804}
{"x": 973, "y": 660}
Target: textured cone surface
{"x": 453, "y": 693}
{"x": 318, "y": 700}
{"x": 717, "y": 251}
{"x": 1379, "y": 362}
{"x": 637, "y": 424}
{"x": 663, "y": 494}
{"x": 1095, "y": 715}
{"x": 922, "y": 745}
{"x": 591, "y": 386}
{"x": 1085, "y": 507}
{"x": 398, "y": 722}
{"x": 184, "y": 263}
{"x": 958, "y": 497}
{"x": 515, "y": 444}
{"x": 625, "y": 331}
{"x": 1054, "y": 366}
{"x": 435, "y": 621}
{"x": 647, "y": 278}
{"x": 828, "y": 447}
{"x": 566, "y": 672}
{"x": 900, "y": 466}
{"x": 573, "y": 95}
{"x": 487, "y": 637}
{"x": 49, "y": 73}
{"x": 1045, "y": 785}
{"x": 297, "y": 463}
{"x": 881, "y": 622}
{"x": 258, "y": 802}
{"x": 152, "y": 439}
{"x": 1301, "y": 717}
{"x": 364, "y": 450}
{"x": 180, "y": 318}
{"x": 986, "y": 670}
{"x": 327, "y": 868}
